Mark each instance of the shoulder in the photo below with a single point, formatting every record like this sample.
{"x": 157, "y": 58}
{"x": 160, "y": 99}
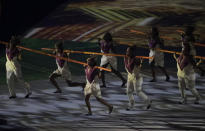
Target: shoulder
{"x": 102, "y": 41}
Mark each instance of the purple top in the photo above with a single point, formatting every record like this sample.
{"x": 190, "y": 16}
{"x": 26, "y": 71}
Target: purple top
{"x": 105, "y": 47}
{"x": 130, "y": 64}
{"x": 12, "y": 53}
{"x": 90, "y": 74}
{"x": 152, "y": 44}
{"x": 60, "y": 61}
{"x": 183, "y": 61}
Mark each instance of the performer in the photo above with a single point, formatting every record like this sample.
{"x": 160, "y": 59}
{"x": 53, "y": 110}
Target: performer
{"x": 134, "y": 78}
{"x": 93, "y": 87}
{"x": 188, "y": 39}
{"x": 106, "y": 45}
{"x": 186, "y": 74}
{"x": 63, "y": 70}
{"x": 13, "y": 68}
{"x": 158, "y": 57}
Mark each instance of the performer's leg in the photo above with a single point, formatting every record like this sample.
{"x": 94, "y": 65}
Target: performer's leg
{"x": 182, "y": 85}
{"x": 10, "y": 82}
{"x": 87, "y": 98}
{"x": 70, "y": 83}
{"x": 165, "y": 72}
{"x": 105, "y": 103}
{"x": 130, "y": 91}
{"x": 190, "y": 84}
{"x": 140, "y": 93}
{"x": 53, "y": 81}
{"x": 153, "y": 72}
{"x": 26, "y": 85}
{"x": 103, "y": 75}
{"x": 118, "y": 74}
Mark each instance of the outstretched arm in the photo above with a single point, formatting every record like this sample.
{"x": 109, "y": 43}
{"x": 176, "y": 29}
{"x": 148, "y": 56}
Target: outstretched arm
{"x": 198, "y": 63}
{"x": 175, "y": 57}
{"x": 19, "y": 54}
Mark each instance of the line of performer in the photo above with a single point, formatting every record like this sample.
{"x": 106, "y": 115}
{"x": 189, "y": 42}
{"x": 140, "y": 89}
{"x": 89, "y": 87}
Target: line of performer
{"x": 186, "y": 65}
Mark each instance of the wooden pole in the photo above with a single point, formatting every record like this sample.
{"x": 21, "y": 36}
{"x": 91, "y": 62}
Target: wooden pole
{"x": 51, "y": 55}
{"x": 166, "y": 37}
{"x": 96, "y": 53}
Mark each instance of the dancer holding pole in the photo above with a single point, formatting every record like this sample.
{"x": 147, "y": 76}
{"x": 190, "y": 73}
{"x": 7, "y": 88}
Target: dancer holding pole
{"x": 134, "y": 78}
{"x": 13, "y": 68}
{"x": 106, "y": 46}
{"x": 155, "y": 43}
{"x": 92, "y": 85}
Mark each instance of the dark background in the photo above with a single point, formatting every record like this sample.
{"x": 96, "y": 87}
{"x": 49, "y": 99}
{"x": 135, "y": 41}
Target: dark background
{"x": 19, "y": 15}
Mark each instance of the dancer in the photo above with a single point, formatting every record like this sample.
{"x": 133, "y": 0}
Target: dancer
{"x": 63, "y": 70}
{"x": 93, "y": 87}
{"x": 188, "y": 39}
{"x": 134, "y": 78}
{"x": 186, "y": 74}
{"x": 106, "y": 45}
{"x": 158, "y": 57}
{"x": 13, "y": 68}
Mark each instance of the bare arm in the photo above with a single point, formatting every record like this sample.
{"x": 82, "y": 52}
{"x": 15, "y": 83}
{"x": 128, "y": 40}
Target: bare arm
{"x": 198, "y": 63}
{"x": 175, "y": 57}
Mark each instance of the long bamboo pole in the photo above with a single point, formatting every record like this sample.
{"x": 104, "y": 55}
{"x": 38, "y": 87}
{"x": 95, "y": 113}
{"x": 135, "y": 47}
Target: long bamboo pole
{"x": 96, "y": 53}
{"x": 166, "y": 37}
{"x": 51, "y": 55}
{"x": 162, "y": 50}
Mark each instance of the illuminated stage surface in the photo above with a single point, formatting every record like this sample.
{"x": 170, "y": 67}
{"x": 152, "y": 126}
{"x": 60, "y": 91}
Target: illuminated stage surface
{"x": 87, "y": 21}
{"x": 66, "y": 111}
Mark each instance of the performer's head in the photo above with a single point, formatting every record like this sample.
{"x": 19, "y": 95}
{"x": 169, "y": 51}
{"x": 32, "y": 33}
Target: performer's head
{"x": 91, "y": 62}
{"x": 154, "y": 32}
{"x": 107, "y": 37}
{"x": 14, "y": 42}
{"x": 59, "y": 47}
{"x": 131, "y": 51}
{"x": 189, "y": 30}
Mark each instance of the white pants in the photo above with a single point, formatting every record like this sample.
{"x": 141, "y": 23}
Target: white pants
{"x": 93, "y": 88}
{"x": 109, "y": 59}
{"x": 12, "y": 78}
{"x": 135, "y": 85}
{"x": 13, "y": 75}
{"x": 189, "y": 84}
{"x": 64, "y": 72}
{"x": 158, "y": 57}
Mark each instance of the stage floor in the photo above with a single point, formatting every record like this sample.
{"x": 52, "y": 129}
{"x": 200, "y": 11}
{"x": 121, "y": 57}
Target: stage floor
{"x": 66, "y": 112}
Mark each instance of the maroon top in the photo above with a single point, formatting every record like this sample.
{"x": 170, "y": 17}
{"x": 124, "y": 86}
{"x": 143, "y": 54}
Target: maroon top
{"x": 90, "y": 74}
{"x": 152, "y": 44}
{"x": 130, "y": 64}
{"x": 183, "y": 61}
{"x": 12, "y": 53}
{"x": 60, "y": 61}
{"x": 105, "y": 47}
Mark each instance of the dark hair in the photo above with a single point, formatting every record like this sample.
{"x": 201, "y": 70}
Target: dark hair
{"x": 133, "y": 50}
{"x": 155, "y": 32}
{"x": 59, "y": 45}
{"x": 92, "y": 59}
{"x": 107, "y": 37}
{"x": 189, "y": 33}
{"x": 189, "y": 30}
{"x": 14, "y": 40}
